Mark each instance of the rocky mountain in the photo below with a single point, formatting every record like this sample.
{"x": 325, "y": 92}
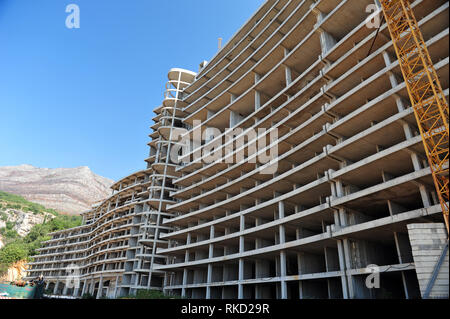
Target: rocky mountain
{"x": 67, "y": 190}
{"x": 16, "y": 272}
{"x": 22, "y": 221}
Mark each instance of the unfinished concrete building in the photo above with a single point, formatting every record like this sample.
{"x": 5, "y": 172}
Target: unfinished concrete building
{"x": 352, "y": 176}
{"x": 352, "y": 170}
{"x": 113, "y": 253}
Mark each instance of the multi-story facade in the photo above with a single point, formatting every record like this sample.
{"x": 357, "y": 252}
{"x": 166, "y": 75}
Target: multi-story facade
{"x": 351, "y": 171}
{"x": 114, "y": 252}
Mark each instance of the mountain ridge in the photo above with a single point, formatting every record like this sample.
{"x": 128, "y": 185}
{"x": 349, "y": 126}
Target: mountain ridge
{"x": 67, "y": 190}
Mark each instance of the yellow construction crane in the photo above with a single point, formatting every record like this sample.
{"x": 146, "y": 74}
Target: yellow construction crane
{"x": 425, "y": 92}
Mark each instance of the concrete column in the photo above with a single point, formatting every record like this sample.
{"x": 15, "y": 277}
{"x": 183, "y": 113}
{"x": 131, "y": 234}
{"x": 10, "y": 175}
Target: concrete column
{"x": 288, "y": 74}
{"x": 76, "y": 291}
{"x": 327, "y": 41}
{"x": 288, "y": 71}
{"x": 241, "y": 238}
{"x": 339, "y": 189}
{"x": 343, "y": 269}
{"x": 258, "y": 264}
{"x": 416, "y": 162}
{"x": 283, "y": 275}
{"x": 100, "y": 287}
{"x": 209, "y": 280}
{"x": 400, "y": 259}
{"x": 183, "y": 290}
{"x": 116, "y": 287}
{"x": 241, "y": 278}
{"x": 235, "y": 119}
{"x": 241, "y": 261}
{"x": 84, "y": 287}
{"x": 55, "y": 289}
{"x": 281, "y": 215}
{"x": 211, "y": 113}
{"x": 185, "y": 271}
{"x": 387, "y": 58}
{"x": 210, "y": 267}
{"x": 300, "y": 272}
{"x": 425, "y": 196}
{"x": 257, "y": 78}
{"x": 92, "y": 288}
{"x": 348, "y": 265}
{"x": 281, "y": 227}
{"x": 257, "y": 100}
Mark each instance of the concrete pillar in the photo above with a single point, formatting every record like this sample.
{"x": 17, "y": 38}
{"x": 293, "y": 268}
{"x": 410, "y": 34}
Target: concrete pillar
{"x": 100, "y": 287}
{"x": 210, "y": 267}
{"x": 348, "y": 265}
{"x": 416, "y": 162}
{"x": 257, "y": 100}
{"x": 339, "y": 189}
{"x": 300, "y": 272}
{"x": 288, "y": 74}
{"x": 283, "y": 275}
{"x": 281, "y": 227}
{"x": 185, "y": 272}
{"x": 241, "y": 278}
{"x": 425, "y": 196}
{"x": 327, "y": 41}
{"x": 288, "y": 71}
{"x": 84, "y": 288}
{"x": 235, "y": 119}
{"x": 343, "y": 269}
{"x": 386, "y": 58}
{"x": 183, "y": 290}
{"x": 241, "y": 238}
{"x": 209, "y": 280}
{"x": 76, "y": 291}
{"x": 241, "y": 261}
{"x": 400, "y": 259}
{"x": 211, "y": 113}
{"x": 257, "y": 78}
{"x": 55, "y": 289}
{"x": 92, "y": 287}
{"x": 116, "y": 287}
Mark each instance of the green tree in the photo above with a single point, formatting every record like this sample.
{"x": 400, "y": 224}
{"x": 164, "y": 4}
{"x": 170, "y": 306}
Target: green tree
{"x": 13, "y": 252}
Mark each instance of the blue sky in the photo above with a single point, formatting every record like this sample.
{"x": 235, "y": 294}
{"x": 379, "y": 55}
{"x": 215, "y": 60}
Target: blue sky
{"x": 85, "y": 97}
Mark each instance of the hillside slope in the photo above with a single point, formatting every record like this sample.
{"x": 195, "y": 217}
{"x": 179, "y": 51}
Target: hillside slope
{"x": 23, "y": 227}
{"x": 67, "y": 190}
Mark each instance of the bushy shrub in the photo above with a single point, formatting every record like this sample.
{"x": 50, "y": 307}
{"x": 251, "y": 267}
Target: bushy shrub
{"x": 17, "y": 248}
{"x": 13, "y": 252}
{"x": 150, "y": 294}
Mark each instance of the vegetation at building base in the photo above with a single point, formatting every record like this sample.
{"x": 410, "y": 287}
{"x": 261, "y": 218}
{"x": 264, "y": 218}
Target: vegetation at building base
{"x": 17, "y": 248}
{"x": 13, "y": 201}
{"x": 150, "y": 294}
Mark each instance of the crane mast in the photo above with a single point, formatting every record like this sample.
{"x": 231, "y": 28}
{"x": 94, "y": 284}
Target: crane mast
{"x": 424, "y": 90}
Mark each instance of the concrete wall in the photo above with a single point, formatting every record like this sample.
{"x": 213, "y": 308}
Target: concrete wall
{"x": 427, "y": 242}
